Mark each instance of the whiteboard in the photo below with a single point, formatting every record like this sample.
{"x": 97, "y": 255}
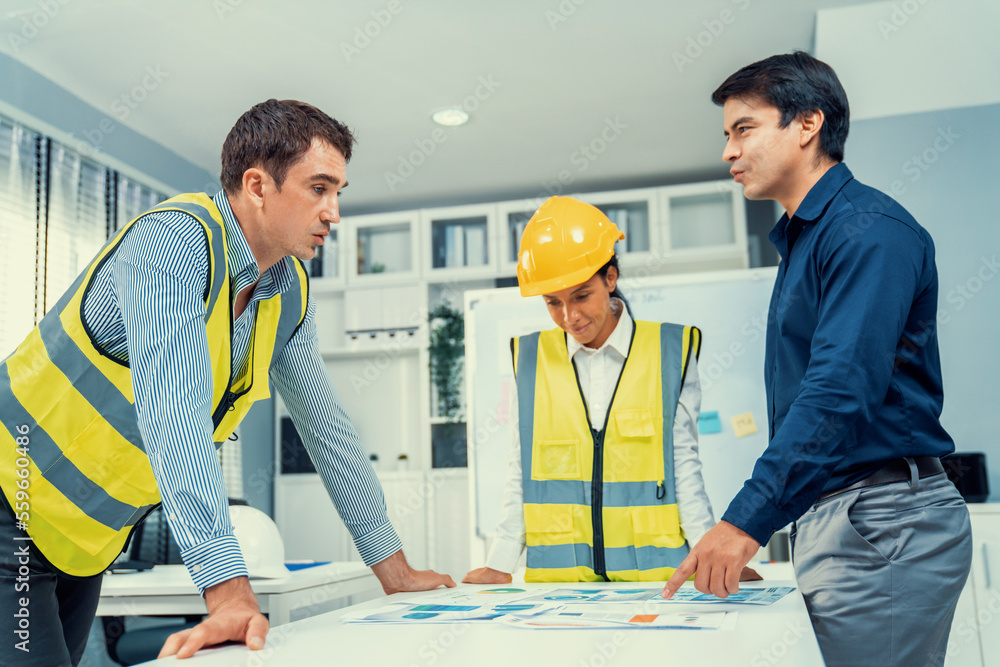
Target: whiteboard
{"x": 730, "y": 308}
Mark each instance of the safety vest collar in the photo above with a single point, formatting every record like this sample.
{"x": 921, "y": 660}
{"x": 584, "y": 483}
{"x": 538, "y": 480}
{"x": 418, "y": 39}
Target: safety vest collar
{"x": 243, "y": 269}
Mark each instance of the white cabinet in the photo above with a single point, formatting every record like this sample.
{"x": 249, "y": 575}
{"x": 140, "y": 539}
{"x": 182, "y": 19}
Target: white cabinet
{"x": 459, "y": 242}
{"x": 382, "y": 248}
{"x": 512, "y": 216}
{"x": 975, "y": 632}
{"x": 635, "y": 213}
{"x": 381, "y": 276}
{"x": 312, "y": 529}
{"x": 704, "y": 225}
{"x": 327, "y": 267}
{"x": 672, "y": 229}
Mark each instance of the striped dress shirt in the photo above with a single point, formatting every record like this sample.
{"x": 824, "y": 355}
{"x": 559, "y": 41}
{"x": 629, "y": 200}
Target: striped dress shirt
{"x": 146, "y": 308}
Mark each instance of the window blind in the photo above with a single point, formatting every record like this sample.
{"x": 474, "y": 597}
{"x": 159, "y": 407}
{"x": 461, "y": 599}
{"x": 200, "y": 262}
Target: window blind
{"x": 20, "y": 170}
{"x": 79, "y": 211}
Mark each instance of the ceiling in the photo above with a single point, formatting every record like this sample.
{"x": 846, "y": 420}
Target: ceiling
{"x": 541, "y": 80}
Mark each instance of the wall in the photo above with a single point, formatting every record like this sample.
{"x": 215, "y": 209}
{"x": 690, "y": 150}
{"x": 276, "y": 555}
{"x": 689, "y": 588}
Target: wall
{"x": 910, "y": 56}
{"x": 30, "y": 98}
{"x": 941, "y": 166}
{"x": 924, "y": 88}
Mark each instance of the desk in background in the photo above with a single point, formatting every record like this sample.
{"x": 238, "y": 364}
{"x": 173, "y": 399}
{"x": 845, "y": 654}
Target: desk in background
{"x": 779, "y": 634}
{"x": 167, "y": 590}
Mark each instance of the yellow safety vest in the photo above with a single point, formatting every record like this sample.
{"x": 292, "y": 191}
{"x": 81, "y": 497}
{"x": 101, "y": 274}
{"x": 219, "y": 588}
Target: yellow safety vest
{"x": 68, "y": 411}
{"x": 599, "y": 505}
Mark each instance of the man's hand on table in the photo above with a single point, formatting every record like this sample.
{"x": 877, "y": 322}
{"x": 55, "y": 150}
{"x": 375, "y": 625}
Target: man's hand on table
{"x": 718, "y": 562}
{"x": 396, "y": 576}
{"x": 233, "y": 616}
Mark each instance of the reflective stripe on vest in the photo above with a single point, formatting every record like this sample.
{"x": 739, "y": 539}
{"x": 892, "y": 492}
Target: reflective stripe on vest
{"x": 625, "y": 527}
{"x": 88, "y": 476}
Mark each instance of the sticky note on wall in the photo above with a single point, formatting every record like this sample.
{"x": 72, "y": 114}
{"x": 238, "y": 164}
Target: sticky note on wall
{"x": 744, "y": 424}
{"x": 709, "y": 422}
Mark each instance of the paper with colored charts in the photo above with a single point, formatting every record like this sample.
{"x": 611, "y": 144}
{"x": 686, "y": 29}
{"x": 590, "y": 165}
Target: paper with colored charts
{"x": 583, "y": 595}
{"x": 590, "y": 616}
{"x": 685, "y": 595}
{"x": 746, "y": 595}
{"x": 439, "y": 613}
{"x": 477, "y": 596}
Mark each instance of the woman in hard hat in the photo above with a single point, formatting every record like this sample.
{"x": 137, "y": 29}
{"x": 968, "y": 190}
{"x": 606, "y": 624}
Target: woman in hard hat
{"x": 605, "y": 481}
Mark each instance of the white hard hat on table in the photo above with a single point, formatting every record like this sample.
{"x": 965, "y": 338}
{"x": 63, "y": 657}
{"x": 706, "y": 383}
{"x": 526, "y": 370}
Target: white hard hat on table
{"x": 261, "y": 543}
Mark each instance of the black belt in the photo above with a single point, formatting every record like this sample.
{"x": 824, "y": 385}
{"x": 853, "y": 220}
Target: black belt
{"x": 897, "y": 470}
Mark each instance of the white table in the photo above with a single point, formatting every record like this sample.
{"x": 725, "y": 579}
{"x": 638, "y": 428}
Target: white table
{"x": 779, "y": 634}
{"x": 167, "y": 590}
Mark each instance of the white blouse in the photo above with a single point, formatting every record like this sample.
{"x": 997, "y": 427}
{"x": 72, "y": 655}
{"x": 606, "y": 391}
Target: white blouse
{"x": 598, "y": 371}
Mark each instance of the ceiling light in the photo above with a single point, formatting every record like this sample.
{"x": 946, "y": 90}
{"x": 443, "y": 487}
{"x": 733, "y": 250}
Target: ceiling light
{"x": 451, "y": 117}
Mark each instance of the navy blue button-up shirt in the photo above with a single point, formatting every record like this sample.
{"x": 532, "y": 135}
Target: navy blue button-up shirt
{"x": 852, "y": 370}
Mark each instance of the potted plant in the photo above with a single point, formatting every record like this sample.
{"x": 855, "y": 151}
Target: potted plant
{"x": 447, "y": 352}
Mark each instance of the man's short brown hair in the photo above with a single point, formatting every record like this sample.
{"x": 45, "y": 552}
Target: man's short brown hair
{"x": 274, "y": 135}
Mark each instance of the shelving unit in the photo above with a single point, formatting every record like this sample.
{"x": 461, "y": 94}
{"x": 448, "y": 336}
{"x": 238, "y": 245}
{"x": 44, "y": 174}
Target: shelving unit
{"x": 383, "y": 248}
{"x": 460, "y": 242}
{"x": 373, "y": 300}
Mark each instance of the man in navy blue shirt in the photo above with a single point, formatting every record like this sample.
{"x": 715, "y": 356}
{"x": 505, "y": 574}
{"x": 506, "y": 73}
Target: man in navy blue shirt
{"x": 881, "y": 542}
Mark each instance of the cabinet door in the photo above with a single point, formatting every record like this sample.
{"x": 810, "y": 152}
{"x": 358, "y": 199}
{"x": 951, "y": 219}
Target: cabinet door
{"x": 986, "y": 581}
{"x": 407, "y": 496}
{"x": 308, "y": 521}
{"x": 449, "y": 527}
{"x": 963, "y": 643}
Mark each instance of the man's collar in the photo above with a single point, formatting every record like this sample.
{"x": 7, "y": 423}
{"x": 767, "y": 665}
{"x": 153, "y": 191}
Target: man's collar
{"x": 816, "y": 200}
{"x": 619, "y": 340}
{"x": 823, "y": 192}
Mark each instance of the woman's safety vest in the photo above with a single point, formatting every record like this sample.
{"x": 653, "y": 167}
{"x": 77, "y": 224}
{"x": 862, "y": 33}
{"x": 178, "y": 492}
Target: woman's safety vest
{"x": 74, "y": 468}
{"x": 599, "y": 505}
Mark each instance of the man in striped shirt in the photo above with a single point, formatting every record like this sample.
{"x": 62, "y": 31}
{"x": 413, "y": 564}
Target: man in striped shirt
{"x": 147, "y": 305}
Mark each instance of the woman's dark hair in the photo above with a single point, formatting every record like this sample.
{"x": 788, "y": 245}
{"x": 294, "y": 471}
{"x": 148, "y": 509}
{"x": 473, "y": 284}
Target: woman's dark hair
{"x": 795, "y": 83}
{"x": 603, "y": 273}
{"x": 274, "y": 135}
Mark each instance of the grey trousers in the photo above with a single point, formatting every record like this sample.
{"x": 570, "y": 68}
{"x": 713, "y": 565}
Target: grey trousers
{"x": 881, "y": 570}
{"x": 46, "y": 617}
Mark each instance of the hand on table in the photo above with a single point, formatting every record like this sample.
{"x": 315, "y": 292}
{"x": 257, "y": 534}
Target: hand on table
{"x": 233, "y": 616}
{"x": 485, "y": 575}
{"x": 718, "y": 562}
{"x": 396, "y": 576}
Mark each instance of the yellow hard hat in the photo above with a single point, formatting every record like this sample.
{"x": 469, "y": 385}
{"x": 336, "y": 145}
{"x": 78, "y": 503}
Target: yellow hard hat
{"x": 564, "y": 244}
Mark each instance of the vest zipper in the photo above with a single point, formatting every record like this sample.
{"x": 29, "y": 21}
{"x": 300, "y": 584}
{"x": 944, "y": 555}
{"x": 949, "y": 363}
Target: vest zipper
{"x": 597, "y": 473}
{"x": 597, "y": 503}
